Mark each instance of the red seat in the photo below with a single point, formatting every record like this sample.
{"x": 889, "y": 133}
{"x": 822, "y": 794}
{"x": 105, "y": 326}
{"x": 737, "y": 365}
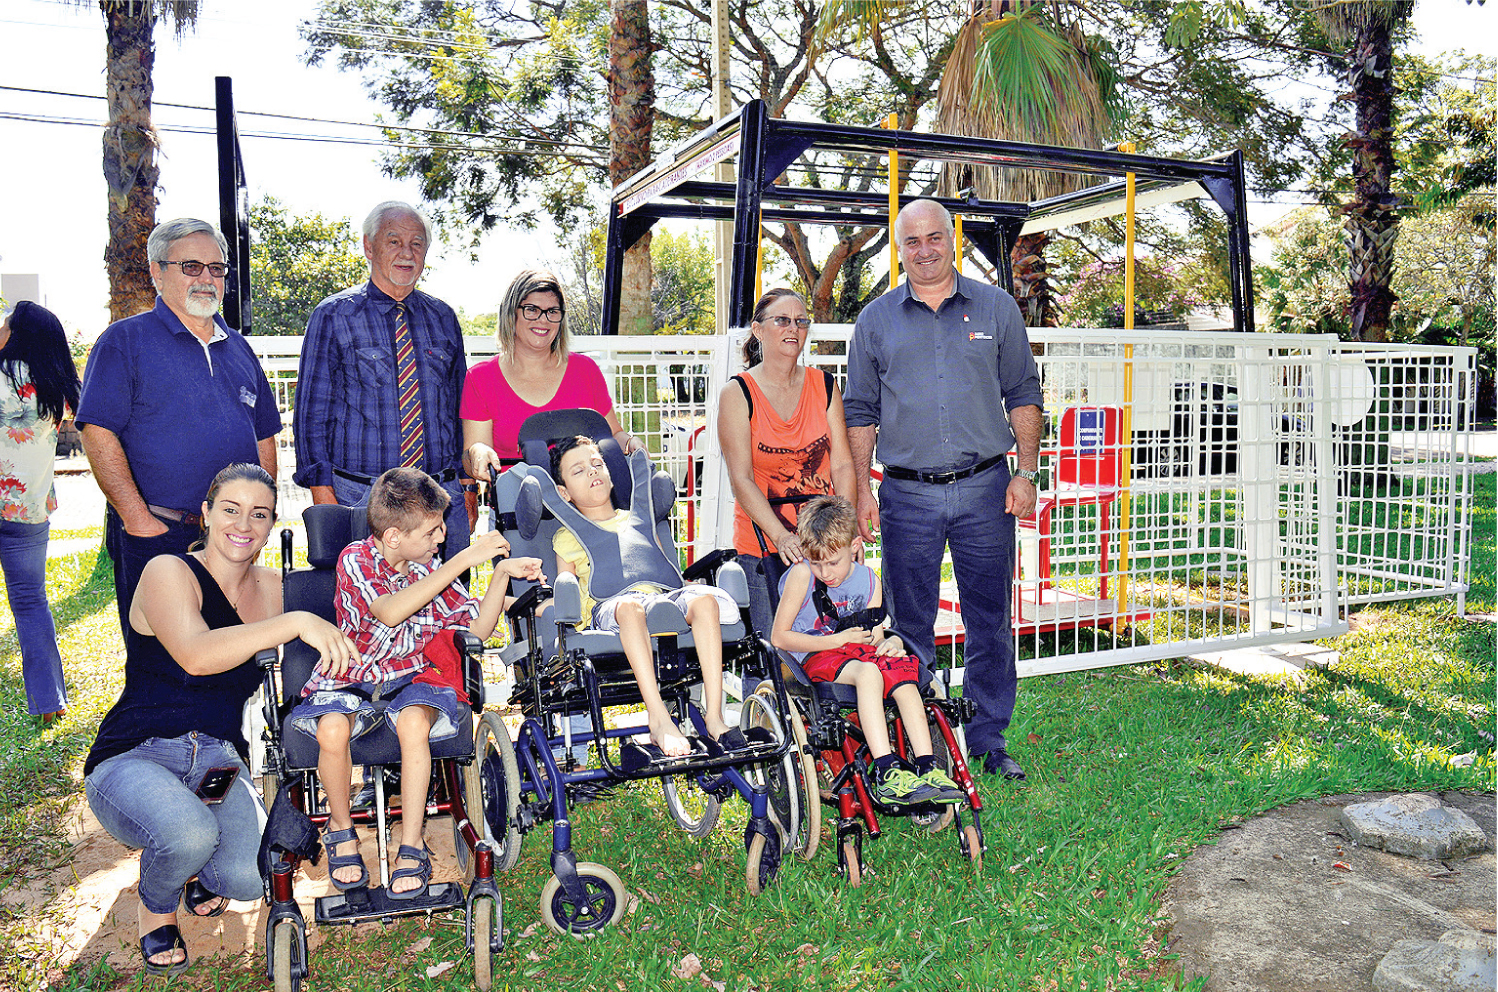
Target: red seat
{"x": 1085, "y": 470}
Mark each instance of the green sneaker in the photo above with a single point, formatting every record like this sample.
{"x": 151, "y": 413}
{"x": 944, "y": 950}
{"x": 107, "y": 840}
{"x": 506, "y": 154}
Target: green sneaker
{"x": 951, "y": 792}
{"x": 901, "y": 787}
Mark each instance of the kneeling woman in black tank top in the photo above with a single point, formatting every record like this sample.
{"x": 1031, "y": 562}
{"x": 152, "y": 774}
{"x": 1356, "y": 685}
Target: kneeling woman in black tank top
{"x": 168, "y": 771}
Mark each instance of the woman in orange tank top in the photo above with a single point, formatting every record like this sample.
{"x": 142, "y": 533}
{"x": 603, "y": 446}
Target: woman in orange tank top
{"x": 781, "y": 431}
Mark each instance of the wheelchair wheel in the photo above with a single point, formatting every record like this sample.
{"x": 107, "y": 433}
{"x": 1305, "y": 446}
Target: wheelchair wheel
{"x": 851, "y": 865}
{"x": 793, "y": 807}
{"x": 601, "y": 907}
{"x": 972, "y": 846}
{"x": 694, "y": 811}
{"x": 483, "y": 934}
{"x": 283, "y": 958}
{"x": 762, "y": 861}
{"x": 492, "y": 793}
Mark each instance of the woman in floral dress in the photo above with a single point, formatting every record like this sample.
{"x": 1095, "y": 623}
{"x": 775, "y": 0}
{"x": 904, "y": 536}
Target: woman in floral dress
{"x": 38, "y": 386}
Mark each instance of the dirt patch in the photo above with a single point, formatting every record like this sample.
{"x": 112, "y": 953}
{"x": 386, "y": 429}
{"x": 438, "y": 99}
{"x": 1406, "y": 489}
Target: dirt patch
{"x": 1287, "y": 903}
{"x": 86, "y": 909}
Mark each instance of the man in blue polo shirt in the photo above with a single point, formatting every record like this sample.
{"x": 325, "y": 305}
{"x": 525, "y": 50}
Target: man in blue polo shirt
{"x": 170, "y": 397}
{"x": 940, "y": 368}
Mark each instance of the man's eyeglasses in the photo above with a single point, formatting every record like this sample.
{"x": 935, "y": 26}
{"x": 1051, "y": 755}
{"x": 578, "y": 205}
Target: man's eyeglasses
{"x": 802, "y": 323}
{"x": 553, "y": 315}
{"x": 193, "y": 267}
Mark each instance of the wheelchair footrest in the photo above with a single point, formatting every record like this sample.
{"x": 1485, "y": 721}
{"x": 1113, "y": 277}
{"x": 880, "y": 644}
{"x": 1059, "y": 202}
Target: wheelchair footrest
{"x": 363, "y": 905}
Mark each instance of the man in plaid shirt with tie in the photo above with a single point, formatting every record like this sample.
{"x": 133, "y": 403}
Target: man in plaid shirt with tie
{"x": 381, "y": 373}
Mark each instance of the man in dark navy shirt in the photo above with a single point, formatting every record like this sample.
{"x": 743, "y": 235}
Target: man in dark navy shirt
{"x": 940, "y": 370}
{"x": 349, "y": 421}
{"x": 170, "y": 397}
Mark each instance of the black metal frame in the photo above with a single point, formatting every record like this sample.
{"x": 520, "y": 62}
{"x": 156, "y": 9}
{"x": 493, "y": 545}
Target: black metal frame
{"x": 766, "y": 146}
{"x": 233, "y": 207}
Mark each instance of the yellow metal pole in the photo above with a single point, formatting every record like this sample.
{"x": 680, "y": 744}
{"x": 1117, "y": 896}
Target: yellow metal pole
{"x": 957, "y": 237}
{"x": 892, "y": 122}
{"x": 759, "y": 259}
{"x": 1126, "y": 429}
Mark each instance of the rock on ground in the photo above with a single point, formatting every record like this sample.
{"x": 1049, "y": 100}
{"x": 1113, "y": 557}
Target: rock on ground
{"x": 1418, "y": 825}
{"x": 1461, "y": 961}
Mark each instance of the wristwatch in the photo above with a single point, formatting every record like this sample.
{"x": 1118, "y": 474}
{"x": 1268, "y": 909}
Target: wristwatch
{"x": 1028, "y": 474}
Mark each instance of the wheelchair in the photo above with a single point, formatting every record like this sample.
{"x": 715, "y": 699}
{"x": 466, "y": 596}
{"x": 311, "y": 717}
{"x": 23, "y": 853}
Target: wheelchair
{"x": 834, "y": 758}
{"x": 291, "y": 762}
{"x": 565, "y": 678}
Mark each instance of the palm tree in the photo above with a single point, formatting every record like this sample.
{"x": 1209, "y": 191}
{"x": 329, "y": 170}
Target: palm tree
{"x": 1020, "y": 70}
{"x": 130, "y": 142}
{"x": 1372, "y": 224}
{"x": 631, "y": 120}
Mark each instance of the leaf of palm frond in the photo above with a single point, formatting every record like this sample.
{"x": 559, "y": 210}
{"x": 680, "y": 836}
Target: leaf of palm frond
{"x": 1026, "y": 73}
{"x": 861, "y": 18}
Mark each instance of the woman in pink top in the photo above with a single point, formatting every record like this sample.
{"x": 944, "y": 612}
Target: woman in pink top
{"x": 532, "y": 372}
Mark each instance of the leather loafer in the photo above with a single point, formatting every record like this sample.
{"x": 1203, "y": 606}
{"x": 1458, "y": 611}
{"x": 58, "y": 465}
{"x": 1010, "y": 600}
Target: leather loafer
{"x": 998, "y": 762}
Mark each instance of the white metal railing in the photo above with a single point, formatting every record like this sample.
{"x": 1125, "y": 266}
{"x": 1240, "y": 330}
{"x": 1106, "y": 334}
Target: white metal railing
{"x": 1273, "y": 479}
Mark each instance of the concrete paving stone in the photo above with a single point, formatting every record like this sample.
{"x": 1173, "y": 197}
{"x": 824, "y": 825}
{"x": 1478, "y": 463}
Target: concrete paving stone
{"x": 1461, "y": 961}
{"x": 1417, "y": 825}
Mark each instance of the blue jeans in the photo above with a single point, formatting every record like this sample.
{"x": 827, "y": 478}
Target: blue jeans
{"x": 918, "y": 521}
{"x": 129, "y": 555}
{"x": 23, "y": 559}
{"x": 145, "y": 799}
{"x": 350, "y": 493}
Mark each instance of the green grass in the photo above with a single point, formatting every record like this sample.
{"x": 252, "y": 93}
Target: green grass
{"x": 1130, "y": 769}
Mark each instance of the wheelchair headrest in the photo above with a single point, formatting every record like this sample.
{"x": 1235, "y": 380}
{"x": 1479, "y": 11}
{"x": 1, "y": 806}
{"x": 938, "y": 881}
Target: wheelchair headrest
{"x": 330, "y": 529}
{"x": 540, "y": 430}
{"x": 530, "y": 507}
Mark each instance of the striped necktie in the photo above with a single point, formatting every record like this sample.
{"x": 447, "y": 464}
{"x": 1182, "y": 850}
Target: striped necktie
{"x": 408, "y": 390}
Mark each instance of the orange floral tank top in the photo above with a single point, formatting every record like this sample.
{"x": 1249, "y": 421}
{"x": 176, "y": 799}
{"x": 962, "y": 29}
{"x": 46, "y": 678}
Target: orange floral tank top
{"x": 791, "y": 457}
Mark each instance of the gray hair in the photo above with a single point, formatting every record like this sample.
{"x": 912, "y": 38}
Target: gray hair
{"x": 528, "y": 282}
{"x": 378, "y": 214}
{"x": 945, "y": 214}
{"x": 169, "y": 232}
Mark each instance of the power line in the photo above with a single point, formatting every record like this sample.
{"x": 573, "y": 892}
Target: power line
{"x": 599, "y": 149}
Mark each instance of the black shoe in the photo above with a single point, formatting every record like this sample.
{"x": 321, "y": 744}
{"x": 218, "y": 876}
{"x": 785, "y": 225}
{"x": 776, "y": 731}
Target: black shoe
{"x": 998, "y": 762}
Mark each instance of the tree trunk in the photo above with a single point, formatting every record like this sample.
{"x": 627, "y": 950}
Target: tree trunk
{"x": 130, "y": 141}
{"x": 1372, "y": 221}
{"x": 631, "y": 118}
{"x": 1032, "y": 284}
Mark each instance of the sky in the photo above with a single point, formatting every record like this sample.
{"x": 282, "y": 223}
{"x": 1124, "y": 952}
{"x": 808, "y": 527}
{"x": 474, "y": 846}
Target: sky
{"x": 52, "y": 193}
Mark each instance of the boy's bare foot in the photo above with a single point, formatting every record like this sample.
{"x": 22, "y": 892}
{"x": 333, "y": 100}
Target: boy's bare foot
{"x": 667, "y": 736}
{"x": 715, "y": 727}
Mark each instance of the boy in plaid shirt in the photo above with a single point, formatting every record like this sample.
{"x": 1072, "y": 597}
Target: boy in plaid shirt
{"x": 394, "y": 602}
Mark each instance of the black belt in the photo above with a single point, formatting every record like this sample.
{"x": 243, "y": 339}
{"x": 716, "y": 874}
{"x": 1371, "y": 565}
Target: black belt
{"x": 368, "y": 480}
{"x": 940, "y": 478}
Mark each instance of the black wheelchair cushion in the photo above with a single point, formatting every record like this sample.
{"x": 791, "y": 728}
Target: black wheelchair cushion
{"x": 330, "y": 529}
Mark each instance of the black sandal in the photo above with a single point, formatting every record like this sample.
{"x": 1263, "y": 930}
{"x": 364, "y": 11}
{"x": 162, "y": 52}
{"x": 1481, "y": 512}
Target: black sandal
{"x": 195, "y": 894}
{"x": 164, "y": 940}
{"x": 422, "y": 872}
{"x": 330, "y": 840}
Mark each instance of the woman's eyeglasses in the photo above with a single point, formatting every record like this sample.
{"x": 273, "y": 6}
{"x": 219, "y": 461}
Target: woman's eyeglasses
{"x": 553, "y": 315}
{"x": 193, "y": 267}
{"x": 802, "y": 323}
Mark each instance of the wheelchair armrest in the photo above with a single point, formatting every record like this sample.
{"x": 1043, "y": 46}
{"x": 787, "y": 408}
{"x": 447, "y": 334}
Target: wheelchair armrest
{"x": 731, "y": 580}
{"x": 708, "y": 564}
{"x": 567, "y": 600}
{"x": 266, "y": 660}
{"x": 471, "y": 649}
{"x": 529, "y": 602}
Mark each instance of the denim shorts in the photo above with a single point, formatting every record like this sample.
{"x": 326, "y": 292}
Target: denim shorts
{"x": 451, "y": 713}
